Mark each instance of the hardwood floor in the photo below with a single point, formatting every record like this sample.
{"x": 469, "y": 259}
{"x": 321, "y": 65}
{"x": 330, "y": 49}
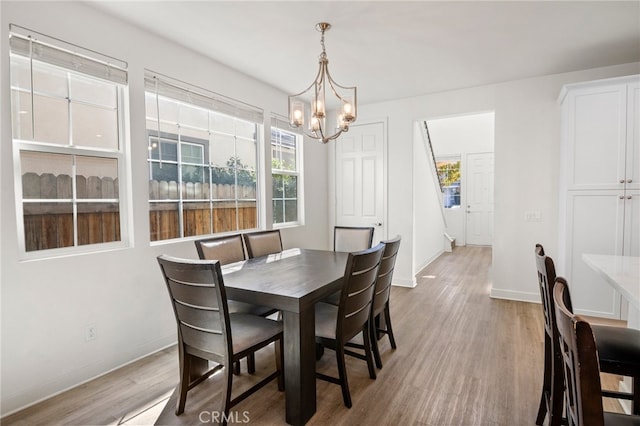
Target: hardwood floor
{"x": 462, "y": 359}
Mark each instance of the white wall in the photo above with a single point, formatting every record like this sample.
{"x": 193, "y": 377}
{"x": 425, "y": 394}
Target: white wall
{"x": 460, "y": 136}
{"x": 527, "y": 140}
{"x": 47, "y": 304}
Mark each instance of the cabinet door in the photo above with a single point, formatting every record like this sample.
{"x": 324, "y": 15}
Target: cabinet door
{"x": 632, "y": 172}
{"x": 631, "y": 236}
{"x": 597, "y": 132}
{"x": 595, "y": 223}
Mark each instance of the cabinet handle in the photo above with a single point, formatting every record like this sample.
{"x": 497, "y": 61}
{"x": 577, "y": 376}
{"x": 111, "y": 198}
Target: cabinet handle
{"x": 621, "y": 180}
{"x": 628, "y": 197}
{"x": 630, "y": 180}
{"x": 621, "y": 197}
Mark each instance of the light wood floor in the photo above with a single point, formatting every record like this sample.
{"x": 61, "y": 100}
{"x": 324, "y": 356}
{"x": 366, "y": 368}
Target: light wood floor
{"x": 462, "y": 359}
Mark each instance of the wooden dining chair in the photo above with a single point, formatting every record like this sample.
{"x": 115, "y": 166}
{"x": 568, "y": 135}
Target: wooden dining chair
{"x": 352, "y": 238}
{"x": 380, "y": 323}
{"x": 618, "y": 348}
{"x": 263, "y": 243}
{"x": 580, "y": 362}
{"x": 208, "y": 331}
{"x": 337, "y": 325}
{"x": 229, "y": 249}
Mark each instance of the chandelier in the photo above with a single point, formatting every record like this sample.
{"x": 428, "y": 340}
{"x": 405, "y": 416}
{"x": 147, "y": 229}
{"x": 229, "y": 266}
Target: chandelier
{"x": 311, "y": 105}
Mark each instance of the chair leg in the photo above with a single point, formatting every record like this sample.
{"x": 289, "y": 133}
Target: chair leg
{"x": 374, "y": 344}
{"x": 251, "y": 363}
{"x": 236, "y": 368}
{"x": 279, "y": 350}
{"x": 183, "y": 386}
{"x": 367, "y": 350}
{"x": 546, "y": 382}
{"x": 342, "y": 374}
{"x": 635, "y": 404}
{"x": 387, "y": 320}
{"x": 226, "y": 396}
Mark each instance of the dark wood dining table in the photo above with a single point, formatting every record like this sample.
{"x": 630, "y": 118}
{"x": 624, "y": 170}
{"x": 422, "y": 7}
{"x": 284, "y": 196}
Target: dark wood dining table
{"x": 291, "y": 281}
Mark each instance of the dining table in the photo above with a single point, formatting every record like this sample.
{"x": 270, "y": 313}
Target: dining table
{"x": 291, "y": 281}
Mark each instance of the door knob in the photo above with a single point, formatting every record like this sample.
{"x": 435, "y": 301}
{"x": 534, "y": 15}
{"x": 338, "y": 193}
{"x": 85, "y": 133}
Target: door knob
{"x": 377, "y": 224}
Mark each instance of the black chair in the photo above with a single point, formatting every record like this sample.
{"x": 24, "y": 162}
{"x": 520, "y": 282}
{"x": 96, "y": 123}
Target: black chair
{"x": 352, "y": 238}
{"x": 229, "y": 249}
{"x": 336, "y": 325}
{"x": 618, "y": 349}
{"x": 263, "y": 243}
{"x": 579, "y": 356}
{"x": 207, "y": 331}
{"x": 380, "y": 313}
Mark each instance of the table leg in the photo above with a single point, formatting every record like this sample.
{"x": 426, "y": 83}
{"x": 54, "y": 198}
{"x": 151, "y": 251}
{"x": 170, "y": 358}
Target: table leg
{"x": 299, "y": 365}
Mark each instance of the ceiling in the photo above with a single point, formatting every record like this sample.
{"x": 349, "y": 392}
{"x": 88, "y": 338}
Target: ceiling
{"x": 395, "y": 49}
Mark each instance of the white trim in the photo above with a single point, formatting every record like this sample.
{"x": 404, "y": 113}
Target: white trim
{"x": 520, "y": 296}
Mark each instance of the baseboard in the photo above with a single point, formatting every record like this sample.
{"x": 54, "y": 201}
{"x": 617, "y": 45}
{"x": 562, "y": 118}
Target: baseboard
{"x": 404, "y": 283}
{"x": 45, "y": 390}
{"x": 520, "y": 296}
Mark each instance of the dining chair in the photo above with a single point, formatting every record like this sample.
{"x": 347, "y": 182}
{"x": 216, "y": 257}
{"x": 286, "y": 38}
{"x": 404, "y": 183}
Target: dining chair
{"x": 208, "y": 331}
{"x": 618, "y": 349}
{"x": 336, "y": 325}
{"x": 229, "y": 249}
{"x": 380, "y": 322}
{"x": 263, "y": 243}
{"x": 352, "y": 238}
{"x": 579, "y": 355}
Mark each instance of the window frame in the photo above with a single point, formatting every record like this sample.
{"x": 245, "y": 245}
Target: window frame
{"x": 213, "y": 104}
{"x": 451, "y": 159}
{"x": 281, "y": 124}
{"x": 71, "y": 149}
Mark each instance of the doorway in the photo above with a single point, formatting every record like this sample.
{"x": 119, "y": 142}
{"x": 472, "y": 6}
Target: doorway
{"x": 469, "y": 138}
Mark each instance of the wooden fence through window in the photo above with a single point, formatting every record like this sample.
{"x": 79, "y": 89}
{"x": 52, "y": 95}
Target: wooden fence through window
{"x": 49, "y": 224}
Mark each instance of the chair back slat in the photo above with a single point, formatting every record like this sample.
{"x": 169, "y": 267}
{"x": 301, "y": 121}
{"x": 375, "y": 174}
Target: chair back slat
{"x": 352, "y": 238}
{"x": 385, "y": 275}
{"x": 357, "y": 294}
{"x": 227, "y": 249}
{"x": 263, "y": 243}
{"x": 583, "y": 395}
{"x": 199, "y": 303}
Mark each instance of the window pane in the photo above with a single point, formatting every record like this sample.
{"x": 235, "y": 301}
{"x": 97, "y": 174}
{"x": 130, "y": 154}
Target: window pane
{"x": 290, "y": 186}
{"x": 46, "y": 176}
{"x": 94, "y": 91}
{"x": 247, "y": 214}
{"x": 247, "y": 191}
{"x": 20, "y": 72}
{"x": 193, "y": 117}
{"x": 49, "y": 80}
{"x": 165, "y": 172}
{"x": 196, "y": 219}
{"x": 291, "y": 211}
{"x": 245, "y": 130}
{"x": 168, "y": 110}
{"x": 224, "y": 216}
{"x": 223, "y": 176}
{"x": 222, "y": 124}
{"x": 163, "y": 221}
{"x": 21, "y": 115}
{"x": 193, "y": 175}
{"x": 51, "y": 119}
{"x": 98, "y": 222}
{"x": 192, "y": 153}
{"x": 151, "y": 109}
{"x": 96, "y": 177}
{"x": 48, "y": 225}
{"x": 223, "y": 148}
{"x": 246, "y": 153}
{"x": 278, "y": 211}
{"x": 94, "y": 127}
{"x": 278, "y": 189}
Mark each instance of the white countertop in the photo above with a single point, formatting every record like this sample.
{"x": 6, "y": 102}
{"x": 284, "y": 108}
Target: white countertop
{"x": 621, "y": 272}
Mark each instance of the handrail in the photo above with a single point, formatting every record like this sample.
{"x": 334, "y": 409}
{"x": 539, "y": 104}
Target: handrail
{"x": 433, "y": 156}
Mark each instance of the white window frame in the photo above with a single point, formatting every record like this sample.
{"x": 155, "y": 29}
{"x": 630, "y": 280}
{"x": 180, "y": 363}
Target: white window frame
{"x": 105, "y": 65}
{"x": 281, "y": 123}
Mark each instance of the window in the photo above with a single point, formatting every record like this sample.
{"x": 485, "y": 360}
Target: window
{"x": 285, "y": 175}
{"x": 67, "y": 123}
{"x": 202, "y": 160}
{"x": 449, "y": 174}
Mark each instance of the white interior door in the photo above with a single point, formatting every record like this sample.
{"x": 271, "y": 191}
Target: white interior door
{"x": 360, "y": 180}
{"x": 479, "y": 180}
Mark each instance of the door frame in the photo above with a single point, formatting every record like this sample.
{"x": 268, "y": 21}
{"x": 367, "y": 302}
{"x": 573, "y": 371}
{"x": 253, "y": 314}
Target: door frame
{"x": 385, "y": 177}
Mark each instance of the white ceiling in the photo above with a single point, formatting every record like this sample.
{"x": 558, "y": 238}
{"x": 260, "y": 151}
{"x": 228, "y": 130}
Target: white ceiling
{"x": 396, "y": 49}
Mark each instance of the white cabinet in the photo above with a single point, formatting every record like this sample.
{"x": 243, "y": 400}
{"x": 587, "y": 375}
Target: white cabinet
{"x": 599, "y": 185}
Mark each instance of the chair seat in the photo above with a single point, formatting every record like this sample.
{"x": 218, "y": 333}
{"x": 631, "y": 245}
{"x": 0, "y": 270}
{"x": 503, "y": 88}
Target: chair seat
{"x": 326, "y": 317}
{"x": 615, "y": 419}
{"x": 618, "y": 349}
{"x": 248, "y": 329}
{"x": 236, "y": 306}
